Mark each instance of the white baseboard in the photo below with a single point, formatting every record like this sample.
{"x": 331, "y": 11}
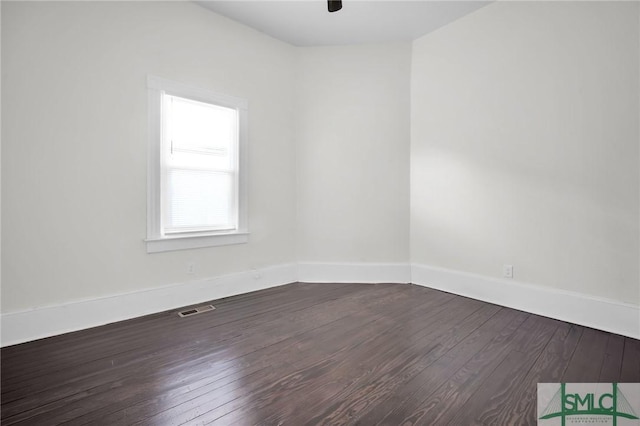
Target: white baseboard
{"x": 600, "y": 313}
{"x": 24, "y": 326}
{"x": 316, "y": 272}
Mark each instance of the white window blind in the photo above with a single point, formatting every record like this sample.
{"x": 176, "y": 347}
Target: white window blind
{"x": 200, "y": 166}
{"x": 197, "y": 175}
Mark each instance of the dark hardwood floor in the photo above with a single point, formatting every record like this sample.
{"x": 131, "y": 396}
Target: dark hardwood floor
{"x": 300, "y": 354}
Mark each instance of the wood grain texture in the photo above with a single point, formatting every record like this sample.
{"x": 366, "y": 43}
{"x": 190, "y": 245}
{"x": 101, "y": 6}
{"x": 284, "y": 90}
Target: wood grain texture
{"x": 316, "y": 354}
{"x": 519, "y": 406}
{"x": 588, "y": 357}
{"x": 631, "y": 361}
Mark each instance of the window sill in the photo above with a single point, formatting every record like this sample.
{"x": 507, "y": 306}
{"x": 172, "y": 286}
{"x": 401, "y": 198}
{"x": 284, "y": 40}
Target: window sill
{"x": 157, "y": 245}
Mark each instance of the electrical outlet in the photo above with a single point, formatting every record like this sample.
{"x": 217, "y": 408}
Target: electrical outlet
{"x": 191, "y": 268}
{"x": 507, "y": 271}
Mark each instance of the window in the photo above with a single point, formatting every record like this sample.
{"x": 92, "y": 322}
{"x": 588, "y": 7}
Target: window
{"x": 197, "y": 174}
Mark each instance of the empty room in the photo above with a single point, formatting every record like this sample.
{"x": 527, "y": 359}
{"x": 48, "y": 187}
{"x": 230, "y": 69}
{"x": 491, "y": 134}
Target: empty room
{"x": 320, "y": 212}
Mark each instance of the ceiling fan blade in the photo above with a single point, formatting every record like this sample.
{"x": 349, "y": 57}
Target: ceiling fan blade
{"x": 334, "y": 5}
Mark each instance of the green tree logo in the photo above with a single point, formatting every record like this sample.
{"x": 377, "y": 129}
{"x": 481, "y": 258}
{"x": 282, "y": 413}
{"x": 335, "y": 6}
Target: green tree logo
{"x": 565, "y": 404}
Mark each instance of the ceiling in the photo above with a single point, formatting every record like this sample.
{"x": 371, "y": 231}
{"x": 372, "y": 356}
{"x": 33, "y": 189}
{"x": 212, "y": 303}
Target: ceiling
{"x": 308, "y": 23}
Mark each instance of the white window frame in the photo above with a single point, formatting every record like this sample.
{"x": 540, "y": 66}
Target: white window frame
{"x": 156, "y": 240}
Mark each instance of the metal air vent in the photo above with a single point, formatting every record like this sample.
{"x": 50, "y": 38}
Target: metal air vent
{"x": 195, "y": 311}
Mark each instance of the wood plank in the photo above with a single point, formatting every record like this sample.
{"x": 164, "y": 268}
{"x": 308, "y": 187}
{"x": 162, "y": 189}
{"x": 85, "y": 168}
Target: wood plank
{"x": 220, "y": 404}
{"x": 588, "y": 357}
{"x": 208, "y": 346}
{"x": 446, "y": 401}
{"x": 172, "y": 353}
{"x": 370, "y": 363}
{"x": 520, "y": 406}
{"x": 489, "y": 396}
{"x": 271, "y": 358}
{"x": 310, "y": 354}
{"x": 128, "y": 337}
{"x": 269, "y": 297}
{"x": 612, "y": 363}
{"x": 406, "y": 400}
{"x": 630, "y": 370}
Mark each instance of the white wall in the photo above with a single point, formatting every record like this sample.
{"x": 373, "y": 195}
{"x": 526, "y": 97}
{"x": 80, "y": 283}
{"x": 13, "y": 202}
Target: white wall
{"x": 524, "y": 150}
{"x": 75, "y": 144}
{"x": 353, "y": 153}
{"x": 525, "y": 146}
